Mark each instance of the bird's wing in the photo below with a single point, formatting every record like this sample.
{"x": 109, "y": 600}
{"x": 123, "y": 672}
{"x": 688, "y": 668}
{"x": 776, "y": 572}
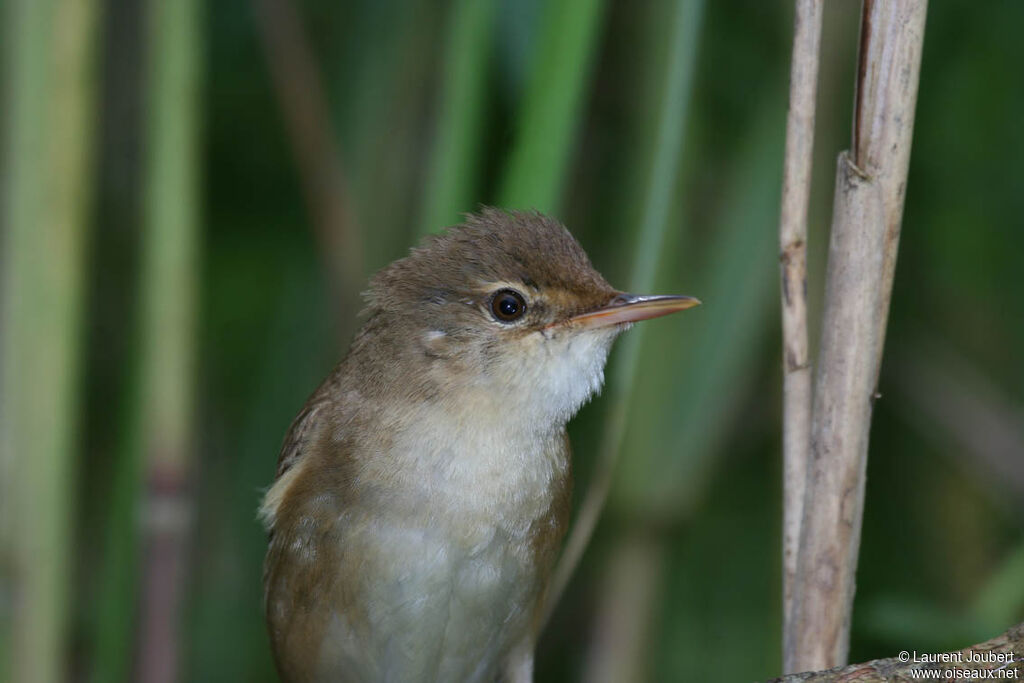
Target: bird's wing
{"x": 302, "y": 568}
{"x": 297, "y": 441}
{"x": 298, "y": 435}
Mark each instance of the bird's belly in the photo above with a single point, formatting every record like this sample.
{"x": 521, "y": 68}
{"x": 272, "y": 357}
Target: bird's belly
{"x": 436, "y": 608}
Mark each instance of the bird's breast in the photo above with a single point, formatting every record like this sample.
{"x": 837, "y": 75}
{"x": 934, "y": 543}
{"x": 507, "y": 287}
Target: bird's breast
{"x": 472, "y": 469}
{"x": 457, "y": 564}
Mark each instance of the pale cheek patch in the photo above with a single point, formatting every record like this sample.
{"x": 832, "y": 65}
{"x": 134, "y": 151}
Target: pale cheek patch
{"x": 436, "y": 344}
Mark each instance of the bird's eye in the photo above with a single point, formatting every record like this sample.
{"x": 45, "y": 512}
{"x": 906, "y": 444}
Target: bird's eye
{"x": 507, "y": 305}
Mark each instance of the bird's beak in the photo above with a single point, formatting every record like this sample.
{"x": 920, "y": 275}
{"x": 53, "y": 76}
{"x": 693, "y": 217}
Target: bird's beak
{"x": 631, "y": 308}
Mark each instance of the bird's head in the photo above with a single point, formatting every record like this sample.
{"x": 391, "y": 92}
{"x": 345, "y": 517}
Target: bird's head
{"x": 506, "y": 305}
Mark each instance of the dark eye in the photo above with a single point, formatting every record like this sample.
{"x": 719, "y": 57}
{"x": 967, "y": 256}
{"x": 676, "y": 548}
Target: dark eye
{"x": 508, "y": 305}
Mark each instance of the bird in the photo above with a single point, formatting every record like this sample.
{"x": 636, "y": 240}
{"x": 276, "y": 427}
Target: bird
{"x": 423, "y": 492}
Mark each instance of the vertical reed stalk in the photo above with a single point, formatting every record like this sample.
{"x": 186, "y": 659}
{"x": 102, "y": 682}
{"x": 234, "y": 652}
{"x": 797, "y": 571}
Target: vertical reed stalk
{"x": 451, "y": 180}
{"x": 535, "y": 175}
{"x": 48, "y": 152}
{"x": 170, "y": 278}
{"x": 796, "y": 192}
{"x": 303, "y": 101}
{"x": 620, "y": 650}
{"x": 870, "y": 186}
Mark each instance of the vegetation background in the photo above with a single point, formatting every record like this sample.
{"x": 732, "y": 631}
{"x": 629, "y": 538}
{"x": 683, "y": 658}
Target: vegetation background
{"x": 245, "y": 165}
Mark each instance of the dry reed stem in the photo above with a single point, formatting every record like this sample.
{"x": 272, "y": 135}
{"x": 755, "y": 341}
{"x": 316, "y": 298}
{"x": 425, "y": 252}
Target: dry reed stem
{"x": 301, "y": 96}
{"x": 620, "y": 649}
{"x": 862, "y": 255}
{"x": 1002, "y": 653}
{"x": 796, "y": 192}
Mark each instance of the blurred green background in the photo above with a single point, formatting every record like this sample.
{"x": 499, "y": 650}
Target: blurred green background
{"x": 193, "y": 195}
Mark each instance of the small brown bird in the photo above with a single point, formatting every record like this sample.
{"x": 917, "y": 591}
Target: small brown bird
{"x": 423, "y": 492}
